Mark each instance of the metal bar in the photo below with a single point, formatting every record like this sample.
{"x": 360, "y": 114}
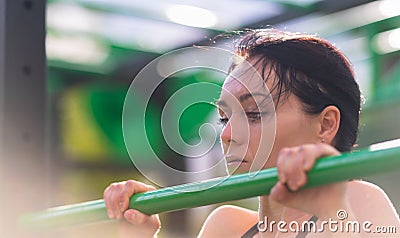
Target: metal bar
{"x": 326, "y": 170}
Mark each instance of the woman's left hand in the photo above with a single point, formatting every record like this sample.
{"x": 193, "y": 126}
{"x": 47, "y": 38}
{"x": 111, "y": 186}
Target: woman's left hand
{"x": 293, "y": 164}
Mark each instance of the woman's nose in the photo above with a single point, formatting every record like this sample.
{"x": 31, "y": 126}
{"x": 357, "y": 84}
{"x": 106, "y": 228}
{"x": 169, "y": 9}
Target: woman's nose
{"x": 235, "y": 131}
{"x": 226, "y": 134}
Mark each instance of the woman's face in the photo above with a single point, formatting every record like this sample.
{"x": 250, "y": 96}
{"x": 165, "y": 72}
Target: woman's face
{"x": 254, "y": 130}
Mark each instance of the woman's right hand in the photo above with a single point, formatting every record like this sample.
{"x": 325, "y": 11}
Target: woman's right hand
{"x": 132, "y": 223}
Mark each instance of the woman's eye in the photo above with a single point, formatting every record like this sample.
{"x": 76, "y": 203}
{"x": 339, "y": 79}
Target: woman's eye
{"x": 254, "y": 116}
{"x": 223, "y": 121}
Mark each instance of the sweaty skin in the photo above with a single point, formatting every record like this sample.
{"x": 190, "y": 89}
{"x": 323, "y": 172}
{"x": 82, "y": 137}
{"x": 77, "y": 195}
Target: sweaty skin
{"x": 300, "y": 139}
{"x": 296, "y": 147}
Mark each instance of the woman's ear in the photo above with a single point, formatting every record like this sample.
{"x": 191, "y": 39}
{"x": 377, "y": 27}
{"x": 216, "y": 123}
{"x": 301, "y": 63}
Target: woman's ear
{"x": 329, "y": 120}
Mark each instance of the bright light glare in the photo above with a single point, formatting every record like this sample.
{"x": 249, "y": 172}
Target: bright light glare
{"x": 390, "y": 8}
{"x": 70, "y": 17}
{"x": 394, "y": 38}
{"x": 76, "y": 49}
{"x": 191, "y": 16}
{"x": 387, "y": 42}
{"x": 385, "y": 145}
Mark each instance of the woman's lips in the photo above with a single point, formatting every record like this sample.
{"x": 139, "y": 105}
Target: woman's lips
{"x": 232, "y": 160}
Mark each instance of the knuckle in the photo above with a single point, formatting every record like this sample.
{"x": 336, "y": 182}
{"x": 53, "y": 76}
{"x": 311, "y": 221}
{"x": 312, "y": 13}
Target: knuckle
{"x": 115, "y": 184}
{"x": 299, "y": 161}
{"x": 279, "y": 162}
{"x": 109, "y": 190}
{"x": 106, "y": 192}
{"x": 112, "y": 189}
{"x": 129, "y": 188}
{"x": 121, "y": 184}
{"x": 284, "y": 151}
{"x": 130, "y": 183}
{"x": 122, "y": 196}
{"x": 305, "y": 149}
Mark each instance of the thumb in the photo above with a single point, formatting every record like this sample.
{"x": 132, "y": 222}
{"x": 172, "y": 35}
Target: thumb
{"x": 135, "y": 217}
{"x": 140, "y": 219}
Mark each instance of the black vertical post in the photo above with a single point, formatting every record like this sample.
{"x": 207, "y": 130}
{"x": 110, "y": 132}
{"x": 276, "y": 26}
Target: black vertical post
{"x": 22, "y": 111}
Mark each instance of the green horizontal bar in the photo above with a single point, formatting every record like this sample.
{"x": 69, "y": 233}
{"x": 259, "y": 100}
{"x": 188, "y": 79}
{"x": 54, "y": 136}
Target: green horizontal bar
{"x": 326, "y": 170}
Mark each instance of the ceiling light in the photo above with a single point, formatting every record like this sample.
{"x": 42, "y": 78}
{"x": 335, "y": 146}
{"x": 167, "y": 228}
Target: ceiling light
{"x": 76, "y": 50}
{"x": 389, "y": 8}
{"x": 191, "y": 16}
{"x": 387, "y": 42}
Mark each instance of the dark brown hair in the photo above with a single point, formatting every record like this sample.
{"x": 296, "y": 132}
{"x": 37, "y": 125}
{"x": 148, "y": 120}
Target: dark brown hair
{"x": 312, "y": 69}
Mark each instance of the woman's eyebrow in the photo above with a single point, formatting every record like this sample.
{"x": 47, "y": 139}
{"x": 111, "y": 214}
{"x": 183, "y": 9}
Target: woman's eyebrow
{"x": 242, "y": 98}
{"x": 246, "y": 96}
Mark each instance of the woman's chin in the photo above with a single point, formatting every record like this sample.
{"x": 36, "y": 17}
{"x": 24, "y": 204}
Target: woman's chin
{"x": 244, "y": 168}
{"x": 237, "y": 168}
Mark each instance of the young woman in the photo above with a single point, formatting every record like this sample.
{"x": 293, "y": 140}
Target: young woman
{"x": 317, "y": 103}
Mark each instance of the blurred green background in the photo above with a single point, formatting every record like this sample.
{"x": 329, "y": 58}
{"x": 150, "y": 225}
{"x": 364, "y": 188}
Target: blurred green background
{"x": 96, "y": 47}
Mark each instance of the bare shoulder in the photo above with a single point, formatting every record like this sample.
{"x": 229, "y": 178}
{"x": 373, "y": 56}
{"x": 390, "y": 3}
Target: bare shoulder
{"x": 365, "y": 191}
{"x": 369, "y": 202}
{"x": 228, "y": 221}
